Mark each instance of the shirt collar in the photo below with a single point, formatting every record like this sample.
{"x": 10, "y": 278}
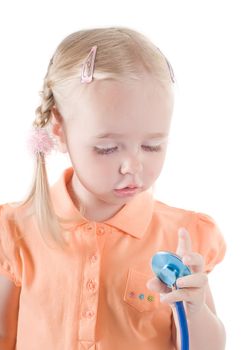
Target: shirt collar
{"x": 133, "y": 218}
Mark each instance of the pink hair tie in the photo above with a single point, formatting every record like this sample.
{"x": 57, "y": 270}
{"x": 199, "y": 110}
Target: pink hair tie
{"x": 39, "y": 141}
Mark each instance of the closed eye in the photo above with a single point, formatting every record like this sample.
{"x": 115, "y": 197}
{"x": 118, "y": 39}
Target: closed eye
{"x": 152, "y": 148}
{"x": 113, "y": 149}
{"x": 105, "y": 150}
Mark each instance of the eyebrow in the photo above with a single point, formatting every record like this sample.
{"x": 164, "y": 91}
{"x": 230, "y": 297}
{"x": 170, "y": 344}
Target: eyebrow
{"x": 112, "y": 134}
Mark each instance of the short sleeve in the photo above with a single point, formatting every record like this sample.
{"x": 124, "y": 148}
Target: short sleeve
{"x": 10, "y": 262}
{"x": 211, "y": 243}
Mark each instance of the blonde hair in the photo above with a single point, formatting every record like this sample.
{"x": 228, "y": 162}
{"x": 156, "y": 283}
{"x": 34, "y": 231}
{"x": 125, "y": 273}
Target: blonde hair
{"x": 122, "y": 55}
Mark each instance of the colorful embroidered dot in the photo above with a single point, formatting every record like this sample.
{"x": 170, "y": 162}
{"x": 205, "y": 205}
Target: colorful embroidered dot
{"x": 141, "y": 296}
{"x": 132, "y": 295}
{"x": 150, "y": 298}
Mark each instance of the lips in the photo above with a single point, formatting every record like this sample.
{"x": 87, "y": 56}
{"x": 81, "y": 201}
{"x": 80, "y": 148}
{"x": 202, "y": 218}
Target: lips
{"x": 127, "y": 187}
{"x": 127, "y": 191}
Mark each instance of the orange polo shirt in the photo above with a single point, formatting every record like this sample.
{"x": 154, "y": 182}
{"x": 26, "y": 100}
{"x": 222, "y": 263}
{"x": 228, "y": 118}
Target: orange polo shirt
{"x": 94, "y": 295}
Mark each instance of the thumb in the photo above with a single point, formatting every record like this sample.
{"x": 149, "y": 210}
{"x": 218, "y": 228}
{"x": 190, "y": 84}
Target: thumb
{"x": 156, "y": 285}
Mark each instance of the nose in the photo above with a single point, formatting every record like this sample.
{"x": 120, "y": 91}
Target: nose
{"x": 131, "y": 165}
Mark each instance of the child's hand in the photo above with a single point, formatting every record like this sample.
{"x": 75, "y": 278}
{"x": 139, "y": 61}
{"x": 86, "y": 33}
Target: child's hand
{"x": 193, "y": 287}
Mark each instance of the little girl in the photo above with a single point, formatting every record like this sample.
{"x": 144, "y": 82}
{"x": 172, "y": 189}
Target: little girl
{"x": 75, "y": 257}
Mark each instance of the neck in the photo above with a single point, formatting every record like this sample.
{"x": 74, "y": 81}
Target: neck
{"x": 91, "y": 208}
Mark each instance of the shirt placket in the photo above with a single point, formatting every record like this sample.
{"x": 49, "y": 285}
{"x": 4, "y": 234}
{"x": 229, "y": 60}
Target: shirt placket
{"x": 92, "y": 237}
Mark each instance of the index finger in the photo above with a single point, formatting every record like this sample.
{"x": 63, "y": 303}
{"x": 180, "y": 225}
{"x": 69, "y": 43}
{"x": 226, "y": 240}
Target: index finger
{"x": 184, "y": 245}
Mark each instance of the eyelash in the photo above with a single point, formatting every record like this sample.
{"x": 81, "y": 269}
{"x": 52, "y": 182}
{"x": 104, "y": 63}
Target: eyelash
{"x": 106, "y": 151}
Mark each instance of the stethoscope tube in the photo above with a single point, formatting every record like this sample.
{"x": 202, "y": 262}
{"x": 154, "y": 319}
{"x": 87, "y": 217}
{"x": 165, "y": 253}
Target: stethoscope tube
{"x": 168, "y": 267}
{"x": 182, "y": 325}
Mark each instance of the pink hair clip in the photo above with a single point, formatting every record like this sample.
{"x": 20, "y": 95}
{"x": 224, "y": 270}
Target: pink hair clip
{"x": 40, "y": 141}
{"x": 88, "y": 66}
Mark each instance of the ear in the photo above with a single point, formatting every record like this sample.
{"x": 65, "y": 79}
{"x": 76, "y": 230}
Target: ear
{"x": 58, "y": 130}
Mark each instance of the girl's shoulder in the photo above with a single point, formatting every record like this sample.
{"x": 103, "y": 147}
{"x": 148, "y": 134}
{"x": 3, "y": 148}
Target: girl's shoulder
{"x": 206, "y": 235}
{"x": 10, "y": 262}
{"x": 191, "y": 216}
{"x": 15, "y": 211}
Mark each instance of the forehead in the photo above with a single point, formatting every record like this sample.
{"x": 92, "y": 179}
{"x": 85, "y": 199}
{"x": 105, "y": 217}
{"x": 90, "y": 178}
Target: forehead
{"x": 116, "y": 107}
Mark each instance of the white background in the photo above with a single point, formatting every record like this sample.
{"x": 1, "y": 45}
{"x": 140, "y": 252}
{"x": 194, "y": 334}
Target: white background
{"x": 202, "y": 40}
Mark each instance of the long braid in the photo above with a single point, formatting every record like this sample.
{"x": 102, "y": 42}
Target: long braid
{"x": 43, "y": 112}
{"x": 40, "y": 189}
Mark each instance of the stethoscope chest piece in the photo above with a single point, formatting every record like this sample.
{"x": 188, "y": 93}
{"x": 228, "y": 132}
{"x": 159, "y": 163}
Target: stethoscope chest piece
{"x": 168, "y": 267}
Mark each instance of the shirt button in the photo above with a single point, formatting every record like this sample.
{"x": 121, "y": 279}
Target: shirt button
{"x": 6, "y": 266}
{"x": 91, "y": 285}
{"x": 78, "y": 229}
{"x": 93, "y": 259}
{"x": 89, "y": 227}
{"x": 88, "y": 314}
{"x": 100, "y": 231}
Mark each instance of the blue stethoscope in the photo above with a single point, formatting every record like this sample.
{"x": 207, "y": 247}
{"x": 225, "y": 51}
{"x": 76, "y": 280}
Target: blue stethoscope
{"x": 168, "y": 267}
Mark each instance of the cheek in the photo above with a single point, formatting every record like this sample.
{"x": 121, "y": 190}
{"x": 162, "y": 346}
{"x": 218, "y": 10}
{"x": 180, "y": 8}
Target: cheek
{"x": 152, "y": 174}
{"x": 153, "y": 169}
{"x": 102, "y": 166}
